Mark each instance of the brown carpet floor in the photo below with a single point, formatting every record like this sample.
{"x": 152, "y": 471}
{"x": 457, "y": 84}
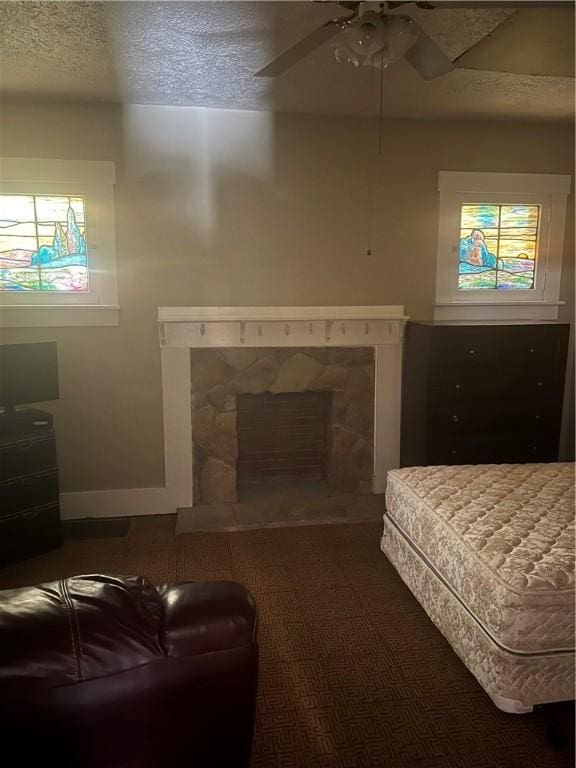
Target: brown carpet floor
{"x": 353, "y": 673}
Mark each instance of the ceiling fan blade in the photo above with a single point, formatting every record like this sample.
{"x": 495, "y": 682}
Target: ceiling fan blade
{"x": 303, "y": 48}
{"x": 428, "y": 59}
{"x": 474, "y": 4}
{"x": 537, "y": 42}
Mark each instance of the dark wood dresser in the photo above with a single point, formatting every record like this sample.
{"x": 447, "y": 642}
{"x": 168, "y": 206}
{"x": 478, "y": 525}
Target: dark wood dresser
{"x": 480, "y": 394}
{"x": 29, "y": 498}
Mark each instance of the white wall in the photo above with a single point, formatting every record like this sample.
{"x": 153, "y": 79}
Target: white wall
{"x": 237, "y": 208}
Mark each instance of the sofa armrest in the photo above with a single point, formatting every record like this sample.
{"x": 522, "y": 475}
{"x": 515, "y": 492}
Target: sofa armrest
{"x": 204, "y": 617}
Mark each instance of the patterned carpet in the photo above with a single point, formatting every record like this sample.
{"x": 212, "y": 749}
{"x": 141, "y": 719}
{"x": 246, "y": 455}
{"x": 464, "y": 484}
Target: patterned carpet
{"x": 353, "y": 673}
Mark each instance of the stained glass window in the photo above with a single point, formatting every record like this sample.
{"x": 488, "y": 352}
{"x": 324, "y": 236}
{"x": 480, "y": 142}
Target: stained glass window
{"x": 43, "y": 243}
{"x": 498, "y": 247}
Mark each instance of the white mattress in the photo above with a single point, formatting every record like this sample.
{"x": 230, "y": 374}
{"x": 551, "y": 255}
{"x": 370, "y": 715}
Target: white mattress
{"x": 501, "y": 538}
{"x": 515, "y": 683}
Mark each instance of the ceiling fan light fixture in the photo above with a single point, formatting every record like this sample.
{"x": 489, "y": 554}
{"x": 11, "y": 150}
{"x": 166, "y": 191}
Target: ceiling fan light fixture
{"x": 375, "y": 37}
{"x": 367, "y": 36}
{"x": 361, "y": 39}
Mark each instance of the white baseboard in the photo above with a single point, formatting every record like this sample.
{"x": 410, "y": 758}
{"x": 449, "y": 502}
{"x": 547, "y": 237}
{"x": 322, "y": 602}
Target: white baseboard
{"x": 122, "y": 502}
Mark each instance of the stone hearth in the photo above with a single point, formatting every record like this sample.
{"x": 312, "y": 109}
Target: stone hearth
{"x": 217, "y": 376}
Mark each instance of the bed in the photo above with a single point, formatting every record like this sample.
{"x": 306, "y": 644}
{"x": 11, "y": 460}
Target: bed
{"x": 488, "y": 551}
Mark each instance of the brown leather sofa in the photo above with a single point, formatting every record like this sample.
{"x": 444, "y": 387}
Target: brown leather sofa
{"x": 112, "y": 672}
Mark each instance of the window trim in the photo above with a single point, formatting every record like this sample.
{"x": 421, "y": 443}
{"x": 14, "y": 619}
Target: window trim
{"x": 540, "y": 303}
{"x": 94, "y": 180}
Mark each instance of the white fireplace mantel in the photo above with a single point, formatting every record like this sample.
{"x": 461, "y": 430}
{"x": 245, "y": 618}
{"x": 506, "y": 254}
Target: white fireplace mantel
{"x": 185, "y": 328}
{"x": 279, "y": 326}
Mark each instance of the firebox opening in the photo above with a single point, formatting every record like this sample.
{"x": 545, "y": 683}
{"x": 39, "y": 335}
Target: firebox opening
{"x": 284, "y": 443}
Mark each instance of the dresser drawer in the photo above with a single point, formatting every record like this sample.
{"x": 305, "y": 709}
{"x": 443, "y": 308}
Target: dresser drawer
{"x": 496, "y": 418}
{"x": 455, "y": 386}
{"x": 27, "y": 456}
{"x": 25, "y": 534}
{"x": 451, "y": 384}
{"x": 27, "y": 492}
{"x": 494, "y": 450}
{"x": 521, "y": 346}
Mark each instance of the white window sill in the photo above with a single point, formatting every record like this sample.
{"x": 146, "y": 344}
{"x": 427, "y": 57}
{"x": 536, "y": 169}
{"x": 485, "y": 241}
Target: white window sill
{"x": 57, "y": 316}
{"x": 484, "y": 311}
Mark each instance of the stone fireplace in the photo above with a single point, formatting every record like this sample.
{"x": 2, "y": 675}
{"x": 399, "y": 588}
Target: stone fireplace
{"x": 214, "y": 359}
{"x": 281, "y": 411}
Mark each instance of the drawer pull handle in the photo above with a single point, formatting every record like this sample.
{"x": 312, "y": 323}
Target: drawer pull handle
{"x": 453, "y": 452}
{"x": 471, "y": 351}
{"x": 457, "y": 386}
{"x": 531, "y": 349}
{"x": 539, "y": 383}
{"x": 454, "y": 418}
{"x": 537, "y": 415}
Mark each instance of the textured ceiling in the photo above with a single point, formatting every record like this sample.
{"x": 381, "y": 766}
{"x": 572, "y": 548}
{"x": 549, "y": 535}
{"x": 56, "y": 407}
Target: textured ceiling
{"x": 205, "y": 54}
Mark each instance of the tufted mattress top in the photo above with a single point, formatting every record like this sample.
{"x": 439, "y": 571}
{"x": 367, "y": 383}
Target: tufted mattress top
{"x": 501, "y": 537}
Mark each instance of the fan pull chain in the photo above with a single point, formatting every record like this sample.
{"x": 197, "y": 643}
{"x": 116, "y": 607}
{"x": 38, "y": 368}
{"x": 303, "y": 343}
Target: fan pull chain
{"x": 369, "y": 232}
{"x": 369, "y": 244}
{"x": 380, "y": 142}
{"x": 381, "y": 107}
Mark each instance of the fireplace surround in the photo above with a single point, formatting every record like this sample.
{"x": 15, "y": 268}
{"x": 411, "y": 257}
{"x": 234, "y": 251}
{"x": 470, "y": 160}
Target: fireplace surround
{"x": 302, "y": 330}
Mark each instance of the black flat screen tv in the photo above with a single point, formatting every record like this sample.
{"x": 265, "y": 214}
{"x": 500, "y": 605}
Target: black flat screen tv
{"x": 28, "y": 373}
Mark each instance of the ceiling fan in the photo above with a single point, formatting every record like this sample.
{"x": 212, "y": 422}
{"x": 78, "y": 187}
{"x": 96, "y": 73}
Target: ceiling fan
{"x": 372, "y": 34}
